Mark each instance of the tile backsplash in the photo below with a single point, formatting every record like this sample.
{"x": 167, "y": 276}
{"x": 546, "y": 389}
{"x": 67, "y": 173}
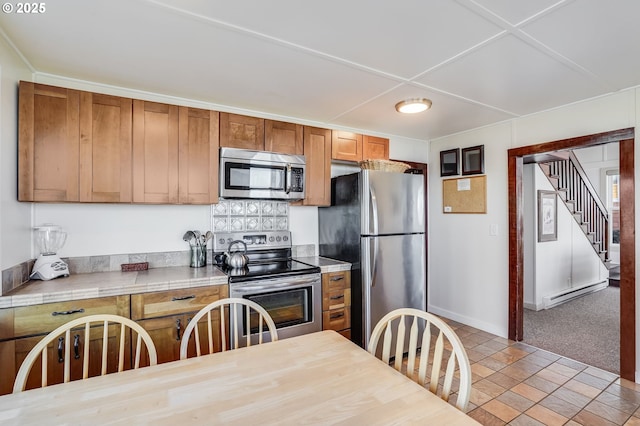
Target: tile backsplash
{"x": 249, "y": 215}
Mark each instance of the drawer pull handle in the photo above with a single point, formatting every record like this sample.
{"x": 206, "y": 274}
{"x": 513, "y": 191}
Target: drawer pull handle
{"x": 337, "y": 297}
{"x": 76, "y": 346}
{"x": 340, "y": 278}
{"x": 175, "y": 299}
{"x": 336, "y": 316}
{"x": 178, "y": 328}
{"x": 60, "y": 343}
{"x": 71, "y": 312}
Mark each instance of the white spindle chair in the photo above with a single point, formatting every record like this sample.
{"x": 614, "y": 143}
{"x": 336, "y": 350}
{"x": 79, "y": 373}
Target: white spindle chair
{"x": 218, "y": 309}
{"x": 423, "y": 350}
{"x": 40, "y": 349}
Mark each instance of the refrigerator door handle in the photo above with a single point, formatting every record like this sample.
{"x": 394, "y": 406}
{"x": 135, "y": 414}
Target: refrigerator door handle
{"x": 374, "y": 209}
{"x": 374, "y": 256}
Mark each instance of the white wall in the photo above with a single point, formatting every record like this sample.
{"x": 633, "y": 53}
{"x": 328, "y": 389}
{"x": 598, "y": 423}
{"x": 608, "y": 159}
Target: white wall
{"x": 15, "y": 217}
{"x": 466, "y": 265}
{"x": 468, "y": 268}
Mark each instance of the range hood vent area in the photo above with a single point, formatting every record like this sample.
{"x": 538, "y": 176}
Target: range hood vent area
{"x": 249, "y": 215}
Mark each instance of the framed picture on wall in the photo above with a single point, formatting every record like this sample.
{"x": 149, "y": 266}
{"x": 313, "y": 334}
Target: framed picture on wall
{"x": 473, "y": 160}
{"x": 547, "y": 216}
{"x": 449, "y": 161}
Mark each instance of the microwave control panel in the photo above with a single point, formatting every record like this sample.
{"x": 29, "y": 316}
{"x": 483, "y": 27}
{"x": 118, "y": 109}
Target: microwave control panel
{"x": 297, "y": 179}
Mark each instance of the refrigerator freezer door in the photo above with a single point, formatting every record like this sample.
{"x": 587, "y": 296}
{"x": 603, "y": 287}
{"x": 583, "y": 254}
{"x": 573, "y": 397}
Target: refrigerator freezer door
{"x": 392, "y": 203}
{"x": 393, "y": 276}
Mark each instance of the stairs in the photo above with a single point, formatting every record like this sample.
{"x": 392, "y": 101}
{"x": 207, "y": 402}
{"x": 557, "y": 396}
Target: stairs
{"x": 570, "y": 181}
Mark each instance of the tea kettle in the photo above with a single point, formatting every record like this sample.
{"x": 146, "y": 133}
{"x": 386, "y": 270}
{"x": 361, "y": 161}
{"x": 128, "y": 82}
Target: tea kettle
{"x": 236, "y": 259}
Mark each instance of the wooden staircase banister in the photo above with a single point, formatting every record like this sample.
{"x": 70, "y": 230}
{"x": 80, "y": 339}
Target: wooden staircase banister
{"x": 577, "y": 193}
{"x": 587, "y": 183}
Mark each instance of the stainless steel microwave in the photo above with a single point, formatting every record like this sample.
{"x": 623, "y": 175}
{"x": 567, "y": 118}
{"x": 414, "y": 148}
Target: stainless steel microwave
{"x": 259, "y": 174}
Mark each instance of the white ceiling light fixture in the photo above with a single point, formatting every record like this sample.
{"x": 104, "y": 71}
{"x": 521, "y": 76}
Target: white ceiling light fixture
{"x": 411, "y": 106}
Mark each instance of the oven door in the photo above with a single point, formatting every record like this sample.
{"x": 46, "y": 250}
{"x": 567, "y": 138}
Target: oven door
{"x": 243, "y": 178}
{"x": 294, "y": 303}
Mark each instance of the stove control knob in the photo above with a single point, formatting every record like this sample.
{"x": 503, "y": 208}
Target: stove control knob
{"x": 278, "y": 238}
{"x": 229, "y": 240}
{"x": 285, "y": 238}
{"x": 271, "y": 239}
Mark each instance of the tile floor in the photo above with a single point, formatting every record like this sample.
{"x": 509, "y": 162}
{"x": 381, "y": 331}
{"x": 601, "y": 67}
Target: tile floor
{"x": 517, "y": 384}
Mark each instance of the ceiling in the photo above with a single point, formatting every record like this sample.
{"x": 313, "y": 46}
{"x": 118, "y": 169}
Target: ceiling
{"x": 344, "y": 64}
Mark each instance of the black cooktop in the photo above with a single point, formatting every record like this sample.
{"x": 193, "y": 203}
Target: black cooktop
{"x": 266, "y": 270}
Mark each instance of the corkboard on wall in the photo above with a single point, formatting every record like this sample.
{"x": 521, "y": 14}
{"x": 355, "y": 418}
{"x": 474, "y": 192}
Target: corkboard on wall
{"x": 465, "y": 195}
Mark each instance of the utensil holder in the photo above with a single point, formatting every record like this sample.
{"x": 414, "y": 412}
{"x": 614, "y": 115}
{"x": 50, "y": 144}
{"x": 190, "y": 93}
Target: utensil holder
{"x": 198, "y": 256}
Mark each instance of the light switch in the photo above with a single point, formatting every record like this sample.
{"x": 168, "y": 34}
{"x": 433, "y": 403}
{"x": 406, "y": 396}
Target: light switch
{"x": 493, "y": 230}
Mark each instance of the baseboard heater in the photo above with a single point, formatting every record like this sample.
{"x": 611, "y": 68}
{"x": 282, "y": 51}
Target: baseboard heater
{"x": 572, "y": 293}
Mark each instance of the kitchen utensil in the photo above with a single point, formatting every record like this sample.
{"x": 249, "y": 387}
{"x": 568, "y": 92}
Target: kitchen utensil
{"x": 188, "y": 236}
{"x": 236, "y": 259}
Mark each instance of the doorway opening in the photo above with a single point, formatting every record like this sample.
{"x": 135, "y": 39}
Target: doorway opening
{"x": 516, "y": 156}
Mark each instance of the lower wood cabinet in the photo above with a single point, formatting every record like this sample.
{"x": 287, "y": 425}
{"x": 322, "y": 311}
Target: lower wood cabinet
{"x": 165, "y": 315}
{"x": 22, "y": 328}
{"x": 336, "y": 302}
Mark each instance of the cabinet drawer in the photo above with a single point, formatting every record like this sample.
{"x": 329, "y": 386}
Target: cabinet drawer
{"x": 336, "y": 319}
{"x": 336, "y": 280}
{"x": 172, "y": 302}
{"x": 335, "y": 299}
{"x": 41, "y": 319}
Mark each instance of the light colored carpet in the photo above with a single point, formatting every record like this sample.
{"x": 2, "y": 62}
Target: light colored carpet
{"x": 586, "y": 329}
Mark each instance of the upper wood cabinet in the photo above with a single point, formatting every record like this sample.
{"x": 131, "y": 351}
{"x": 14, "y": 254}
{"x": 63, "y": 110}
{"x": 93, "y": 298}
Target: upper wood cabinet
{"x": 105, "y": 148}
{"x": 48, "y": 143}
{"x": 346, "y": 145}
{"x": 73, "y": 145}
{"x": 175, "y": 154}
{"x": 280, "y": 136}
{"x": 375, "y": 148}
{"x": 317, "y": 152}
{"x": 258, "y": 134}
{"x": 155, "y": 153}
{"x": 241, "y": 131}
{"x": 198, "y": 157}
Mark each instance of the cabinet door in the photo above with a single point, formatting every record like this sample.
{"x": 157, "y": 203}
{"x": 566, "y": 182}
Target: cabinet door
{"x": 283, "y": 137}
{"x": 167, "y": 333}
{"x": 199, "y": 146}
{"x": 105, "y": 148}
{"x": 56, "y": 354}
{"x": 155, "y": 153}
{"x": 375, "y": 148}
{"x": 346, "y": 146}
{"x": 241, "y": 131}
{"x": 48, "y": 143}
{"x": 317, "y": 152}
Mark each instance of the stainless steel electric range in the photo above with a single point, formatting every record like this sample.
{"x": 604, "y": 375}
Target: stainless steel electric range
{"x": 291, "y": 291}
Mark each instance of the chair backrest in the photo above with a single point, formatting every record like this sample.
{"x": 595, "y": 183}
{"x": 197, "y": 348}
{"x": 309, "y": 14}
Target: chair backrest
{"x": 430, "y": 353}
{"x": 40, "y": 349}
{"x": 261, "y": 317}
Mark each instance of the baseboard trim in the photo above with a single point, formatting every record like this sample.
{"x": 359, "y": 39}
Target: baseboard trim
{"x": 572, "y": 293}
{"x": 472, "y": 322}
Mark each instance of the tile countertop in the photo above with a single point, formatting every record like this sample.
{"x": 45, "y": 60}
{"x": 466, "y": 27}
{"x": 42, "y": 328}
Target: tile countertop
{"x": 101, "y": 284}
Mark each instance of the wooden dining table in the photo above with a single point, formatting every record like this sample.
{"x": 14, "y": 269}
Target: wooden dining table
{"x": 318, "y": 378}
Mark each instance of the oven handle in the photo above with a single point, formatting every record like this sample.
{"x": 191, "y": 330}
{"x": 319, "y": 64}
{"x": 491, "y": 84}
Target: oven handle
{"x": 274, "y": 286}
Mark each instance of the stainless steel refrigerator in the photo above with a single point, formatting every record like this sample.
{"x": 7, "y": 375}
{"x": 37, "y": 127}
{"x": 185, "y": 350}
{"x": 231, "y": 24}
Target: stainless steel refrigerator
{"x": 377, "y": 222}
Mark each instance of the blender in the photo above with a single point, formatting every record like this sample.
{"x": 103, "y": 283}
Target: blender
{"x": 49, "y": 239}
